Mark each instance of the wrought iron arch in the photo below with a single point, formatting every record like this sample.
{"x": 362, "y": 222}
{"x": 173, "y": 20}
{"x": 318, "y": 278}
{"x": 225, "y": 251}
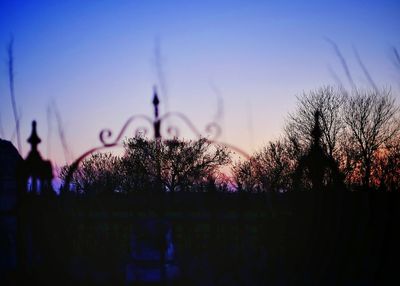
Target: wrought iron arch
{"x": 160, "y": 131}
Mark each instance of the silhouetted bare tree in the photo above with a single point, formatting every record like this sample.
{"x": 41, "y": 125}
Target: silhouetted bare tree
{"x": 372, "y": 122}
{"x": 386, "y": 166}
{"x": 98, "y": 174}
{"x": 270, "y": 169}
{"x": 329, "y": 101}
{"x": 246, "y": 176}
{"x": 177, "y": 164}
{"x": 151, "y": 165}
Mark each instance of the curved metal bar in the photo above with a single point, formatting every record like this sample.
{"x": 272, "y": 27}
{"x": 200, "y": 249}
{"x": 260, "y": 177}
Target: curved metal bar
{"x": 212, "y": 127}
{"x": 74, "y": 166}
{"x": 104, "y": 134}
{"x": 107, "y": 133}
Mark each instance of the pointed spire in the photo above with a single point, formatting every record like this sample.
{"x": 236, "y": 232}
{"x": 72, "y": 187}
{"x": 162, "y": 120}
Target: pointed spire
{"x": 156, "y": 102}
{"x": 34, "y": 139}
{"x": 316, "y": 133}
{"x": 157, "y": 122}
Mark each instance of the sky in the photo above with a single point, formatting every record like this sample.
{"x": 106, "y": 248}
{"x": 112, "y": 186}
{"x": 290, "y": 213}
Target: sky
{"x": 93, "y": 64}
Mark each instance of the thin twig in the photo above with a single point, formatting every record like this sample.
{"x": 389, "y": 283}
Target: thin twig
{"x": 61, "y": 133}
{"x": 342, "y": 61}
{"x": 15, "y": 129}
{"x": 12, "y": 92}
{"x": 365, "y": 70}
{"x": 396, "y": 57}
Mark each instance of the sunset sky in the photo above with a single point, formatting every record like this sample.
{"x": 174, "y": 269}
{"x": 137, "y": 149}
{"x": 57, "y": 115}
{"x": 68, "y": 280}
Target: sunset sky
{"x": 97, "y": 62}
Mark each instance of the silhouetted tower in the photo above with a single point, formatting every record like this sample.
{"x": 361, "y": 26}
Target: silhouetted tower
{"x": 35, "y": 170}
{"x": 317, "y": 170}
{"x": 316, "y": 133}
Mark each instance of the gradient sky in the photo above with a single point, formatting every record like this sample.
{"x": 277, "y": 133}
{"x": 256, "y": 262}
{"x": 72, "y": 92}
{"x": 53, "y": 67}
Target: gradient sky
{"x": 96, "y": 61}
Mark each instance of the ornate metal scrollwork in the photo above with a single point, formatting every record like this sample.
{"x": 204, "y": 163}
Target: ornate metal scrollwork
{"x": 169, "y": 131}
{"x": 213, "y": 129}
{"x": 107, "y": 134}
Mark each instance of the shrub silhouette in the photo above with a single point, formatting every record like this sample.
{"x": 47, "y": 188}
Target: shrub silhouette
{"x": 151, "y": 165}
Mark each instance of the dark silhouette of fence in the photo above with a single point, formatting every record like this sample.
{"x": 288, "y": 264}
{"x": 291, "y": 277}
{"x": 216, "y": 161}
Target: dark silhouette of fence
{"x": 297, "y": 238}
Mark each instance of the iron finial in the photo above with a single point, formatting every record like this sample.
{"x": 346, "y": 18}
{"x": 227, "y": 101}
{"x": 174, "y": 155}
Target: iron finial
{"x": 34, "y": 139}
{"x": 157, "y": 121}
{"x": 156, "y": 102}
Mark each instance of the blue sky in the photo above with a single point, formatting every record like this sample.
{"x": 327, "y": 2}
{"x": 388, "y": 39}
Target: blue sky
{"x": 96, "y": 61}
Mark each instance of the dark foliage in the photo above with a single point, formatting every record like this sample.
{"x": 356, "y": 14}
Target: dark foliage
{"x": 152, "y": 166}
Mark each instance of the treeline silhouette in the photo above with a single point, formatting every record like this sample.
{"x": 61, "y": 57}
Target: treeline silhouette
{"x": 334, "y": 140}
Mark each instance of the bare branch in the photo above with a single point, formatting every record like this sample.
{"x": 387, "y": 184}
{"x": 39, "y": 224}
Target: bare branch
{"x": 396, "y": 57}
{"x": 342, "y": 62}
{"x": 12, "y": 92}
{"x": 372, "y": 119}
{"x": 61, "y": 133}
{"x": 365, "y": 70}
